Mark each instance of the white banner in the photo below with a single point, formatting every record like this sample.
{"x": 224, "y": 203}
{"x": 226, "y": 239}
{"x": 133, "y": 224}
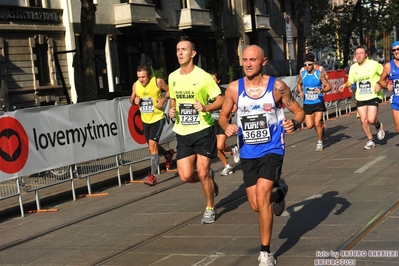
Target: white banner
{"x": 38, "y": 139}
{"x": 132, "y": 126}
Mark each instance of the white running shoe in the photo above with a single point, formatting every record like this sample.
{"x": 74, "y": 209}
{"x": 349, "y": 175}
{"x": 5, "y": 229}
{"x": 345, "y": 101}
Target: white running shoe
{"x": 319, "y": 146}
{"x": 369, "y": 145}
{"x": 236, "y": 154}
{"x": 227, "y": 170}
{"x": 266, "y": 259}
{"x": 209, "y": 216}
{"x": 381, "y": 132}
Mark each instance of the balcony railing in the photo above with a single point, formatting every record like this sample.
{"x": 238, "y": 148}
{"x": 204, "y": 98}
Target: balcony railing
{"x": 190, "y": 18}
{"x": 134, "y": 13}
{"x": 262, "y": 22}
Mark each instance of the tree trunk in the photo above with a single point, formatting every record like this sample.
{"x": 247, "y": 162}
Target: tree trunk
{"x": 217, "y": 13}
{"x": 356, "y": 14}
{"x": 87, "y": 20}
{"x": 301, "y": 34}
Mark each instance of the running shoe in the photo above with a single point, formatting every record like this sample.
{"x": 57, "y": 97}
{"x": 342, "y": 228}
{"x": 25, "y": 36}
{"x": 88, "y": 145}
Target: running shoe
{"x": 319, "y": 146}
{"x": 236, "y": 154}
{"x": 168, "y": 158}
{"x": 381, "y": 132}
{"x": 266, "y": 259}
{"x": 227, "y": 170}
{"x": 209, "y": 216}
{"x": 151, "y": 180}
{"x": 369, "y": 145}
{"x": 215, "y": 185}
{"x": 279, "y": 207}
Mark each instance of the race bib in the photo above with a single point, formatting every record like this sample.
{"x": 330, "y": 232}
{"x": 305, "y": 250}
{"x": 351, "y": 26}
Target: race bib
{"x": 364, "y": 87}
{"x": 395, "y": 84}
{"x": 311, "y": 94}
{"x": 215, "y": 114}
{"x": 255, "y": 129}
{"x": 146, "y": 105}
{"x": 188, "y": 114}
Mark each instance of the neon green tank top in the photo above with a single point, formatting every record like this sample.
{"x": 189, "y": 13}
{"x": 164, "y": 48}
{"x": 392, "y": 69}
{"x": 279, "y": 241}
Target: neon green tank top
{"x": 149, "y": 96}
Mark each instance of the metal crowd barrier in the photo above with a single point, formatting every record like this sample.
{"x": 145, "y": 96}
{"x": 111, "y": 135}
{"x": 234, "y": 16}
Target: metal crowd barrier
{"x": 128, "y": 158}
{"x": 89, "y": 168}
{"x": 48, "y": 178}
{"x": 338, "y": 105}
{"x": 11, "y": 188}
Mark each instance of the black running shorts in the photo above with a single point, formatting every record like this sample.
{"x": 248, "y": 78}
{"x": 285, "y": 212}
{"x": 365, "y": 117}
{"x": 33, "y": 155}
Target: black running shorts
{"x": 202, "y": 142}
{"x": 153, "y": 131}
{"x": 268, "y": 167}
{"x": 372, "y": 102}
{"x": 311, "y": 108}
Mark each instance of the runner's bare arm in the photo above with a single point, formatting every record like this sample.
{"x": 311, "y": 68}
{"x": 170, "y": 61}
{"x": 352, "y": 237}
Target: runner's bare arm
{"x": 163, "y": 86}
{"x": 134, "y": 96}
{"x": 285, "y": 96}
{"x": 229, "y": 105}
{"x": 299, "y": 85}
{"x": 383, "y": 78}
{"x": 326, "y": 84}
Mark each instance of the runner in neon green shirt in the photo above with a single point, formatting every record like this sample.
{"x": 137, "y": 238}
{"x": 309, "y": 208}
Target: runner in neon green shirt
{"x": 366, "y": 74}
{"x": 190, "y": 87}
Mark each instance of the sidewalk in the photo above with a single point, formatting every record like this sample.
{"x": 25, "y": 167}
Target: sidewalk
{"x": 332, "y": 194}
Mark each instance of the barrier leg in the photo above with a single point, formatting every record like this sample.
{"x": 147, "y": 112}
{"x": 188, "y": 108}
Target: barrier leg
{"x": 21, "y": 205}
{"x": 72, "y": 183}
{"x": 88, "y": 184}
{"x": 37, "y": 199}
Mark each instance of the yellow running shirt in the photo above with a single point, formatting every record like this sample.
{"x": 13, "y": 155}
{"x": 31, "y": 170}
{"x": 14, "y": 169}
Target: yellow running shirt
{"x": 366, "y": 77}
{"x": 149, "y": 96}
{"x": 199, "y": 85}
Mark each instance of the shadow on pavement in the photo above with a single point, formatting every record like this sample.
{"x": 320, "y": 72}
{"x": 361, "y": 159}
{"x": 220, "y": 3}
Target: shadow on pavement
{"x": 307, "y": 215}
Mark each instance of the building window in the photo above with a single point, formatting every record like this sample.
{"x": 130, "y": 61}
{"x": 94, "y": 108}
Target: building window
{"x": 41, "y": 55}
{"x": 184, "y": 4}
{"x": 35, "y": 3}
{"x": 265, "y": 7}
{"x": 157, "y": 3}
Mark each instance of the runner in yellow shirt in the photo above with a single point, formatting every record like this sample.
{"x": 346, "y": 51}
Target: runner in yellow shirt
{"x": 366, "y": 74}
{"x": 147, "y": 92}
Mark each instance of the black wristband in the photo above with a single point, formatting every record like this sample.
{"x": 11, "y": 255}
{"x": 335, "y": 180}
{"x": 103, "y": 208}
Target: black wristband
{"x": 297, "y": 125}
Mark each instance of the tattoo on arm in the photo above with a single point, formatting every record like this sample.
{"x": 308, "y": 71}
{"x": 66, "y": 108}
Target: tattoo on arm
{"x": 280, "y": 88}
{"x": 289, "y": 99}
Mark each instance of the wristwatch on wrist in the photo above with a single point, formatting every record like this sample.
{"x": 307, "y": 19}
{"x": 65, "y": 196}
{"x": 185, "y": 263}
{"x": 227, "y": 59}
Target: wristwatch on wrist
{"x": 296, "y": 124}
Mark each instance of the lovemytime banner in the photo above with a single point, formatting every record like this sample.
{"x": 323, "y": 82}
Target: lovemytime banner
{"x": 38, "y": 139}
{"x": 133, "y": 135}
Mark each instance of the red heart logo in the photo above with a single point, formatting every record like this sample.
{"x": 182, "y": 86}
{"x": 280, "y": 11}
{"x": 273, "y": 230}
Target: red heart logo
{"x": 9, "y": 145}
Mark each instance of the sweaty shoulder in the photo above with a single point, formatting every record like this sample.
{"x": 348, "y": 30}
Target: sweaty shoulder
{"x": 280, "y": 86}
{"x": 232, "y": 87}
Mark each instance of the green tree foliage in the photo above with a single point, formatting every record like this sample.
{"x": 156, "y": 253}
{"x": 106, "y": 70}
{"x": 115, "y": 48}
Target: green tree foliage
{"x": 340, "y": 27}
{"x": 390, "y": 18}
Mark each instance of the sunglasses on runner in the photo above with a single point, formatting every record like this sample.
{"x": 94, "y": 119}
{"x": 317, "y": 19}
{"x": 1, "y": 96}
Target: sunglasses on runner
{"x": 394, "y": 50}
{"x": 310, "y": 64}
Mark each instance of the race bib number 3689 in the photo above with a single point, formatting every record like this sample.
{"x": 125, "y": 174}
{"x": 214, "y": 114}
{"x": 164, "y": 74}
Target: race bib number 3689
{"x": 255, "y": 129}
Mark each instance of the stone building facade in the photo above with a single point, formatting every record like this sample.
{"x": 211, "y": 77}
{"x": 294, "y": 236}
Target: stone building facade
{"x": 128, "y": 33}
